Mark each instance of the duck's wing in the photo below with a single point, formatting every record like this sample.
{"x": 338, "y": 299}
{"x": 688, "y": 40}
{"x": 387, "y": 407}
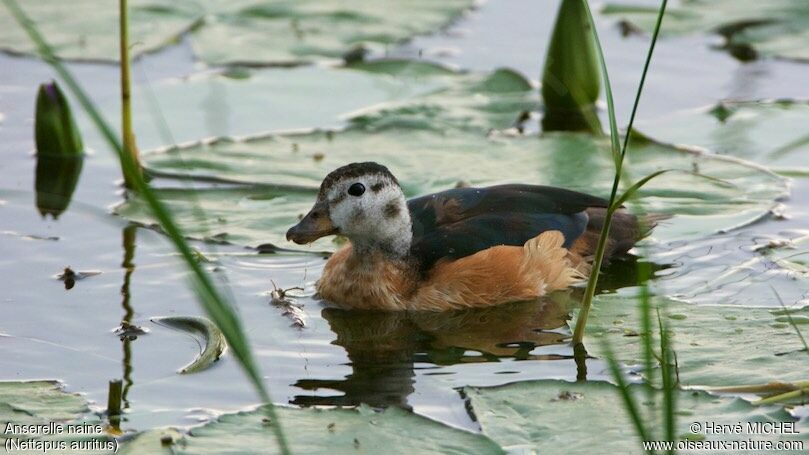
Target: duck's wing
{"x": 460, "y": 222}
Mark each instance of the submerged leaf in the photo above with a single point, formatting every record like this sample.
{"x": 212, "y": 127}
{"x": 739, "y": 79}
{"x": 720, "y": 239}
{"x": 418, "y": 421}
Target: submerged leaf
{"x": 207, "y": 335}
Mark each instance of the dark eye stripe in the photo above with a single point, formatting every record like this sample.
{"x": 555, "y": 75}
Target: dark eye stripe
{"x": 356, "y": 189}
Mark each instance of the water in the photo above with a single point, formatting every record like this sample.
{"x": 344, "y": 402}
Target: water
{"x": 339, "y": 358}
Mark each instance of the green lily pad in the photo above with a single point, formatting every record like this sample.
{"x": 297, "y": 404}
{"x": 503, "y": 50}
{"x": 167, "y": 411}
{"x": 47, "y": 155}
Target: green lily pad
{"x": 45, "y": 403}
{"x": 155, "y": 441}
{"x": 497, "y": 100}
{"x": 37, "y": 402}
{"x": 426, "y": 160}
{"x": 333, "y": 431}
{"x": 295, "y": 31}
{"x": 714, "y": 343}
{"x": 769, "y": 132}
{"x": 242, "y": 31}
{"x": 216, "y": 104}
{"x": 88, "y": 30}
{"x": 465, "y": 118}
{"x": 772, "y": 28}
{"x": 538, "y": 416}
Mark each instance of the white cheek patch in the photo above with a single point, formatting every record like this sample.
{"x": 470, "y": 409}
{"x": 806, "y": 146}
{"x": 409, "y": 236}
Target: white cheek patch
{"x": 379, "y": 214}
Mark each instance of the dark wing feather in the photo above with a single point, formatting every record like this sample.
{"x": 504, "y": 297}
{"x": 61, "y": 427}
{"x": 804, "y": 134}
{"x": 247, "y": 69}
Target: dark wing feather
{"x": 460, "y": 222}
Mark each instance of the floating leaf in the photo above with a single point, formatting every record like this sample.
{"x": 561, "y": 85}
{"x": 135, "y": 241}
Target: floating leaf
{"x": 496, "y": 100}
{"x": 297, "y": 31}
{"x": 713, "y": 343}
{"x": 157, "y": 441}
{"x": 238, "y": 31}
{"x": 45, "y": 403}
{"x": 423, "y": 138}
{"x": 751, "y": 27}
{"x": 211, "y": 104}
{"x": 88, "y": 30}
{"x": 37, "y": 402}
{"x": 538, "y": 416}
{"x": 206, "y": 334}
{"x": 334, "y": 431}
{"x": 425, "y": 160}
{"x": 769, "y": 132}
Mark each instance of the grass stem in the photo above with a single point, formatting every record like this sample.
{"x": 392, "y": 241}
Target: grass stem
{"x": 114, "y": 398}
{"x": 581, "y": 322}
{"x": 130, "y": 147}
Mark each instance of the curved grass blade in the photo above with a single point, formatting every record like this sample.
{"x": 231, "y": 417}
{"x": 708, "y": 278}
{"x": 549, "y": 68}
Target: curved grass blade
{"x": 667, "y": 376}
{"x": 791, "y": 321}
{"x": 630, "y": 404}
{"x": 212, "y": 339}
{"x": 217, "y": 308}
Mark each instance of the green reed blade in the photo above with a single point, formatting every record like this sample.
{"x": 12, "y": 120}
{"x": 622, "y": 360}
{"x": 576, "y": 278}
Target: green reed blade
{"x": 217, "y": 309}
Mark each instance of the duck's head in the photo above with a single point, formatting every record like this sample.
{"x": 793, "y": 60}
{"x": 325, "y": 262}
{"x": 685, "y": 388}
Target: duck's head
{"x": 364, "y": 202}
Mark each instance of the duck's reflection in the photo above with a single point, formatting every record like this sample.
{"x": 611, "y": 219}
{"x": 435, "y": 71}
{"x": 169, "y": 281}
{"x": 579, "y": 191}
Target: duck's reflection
{"x": 383, "y": 347}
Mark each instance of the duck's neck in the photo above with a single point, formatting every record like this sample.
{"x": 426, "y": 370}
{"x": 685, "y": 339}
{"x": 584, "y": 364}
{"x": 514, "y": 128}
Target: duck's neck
{"x": 392, "y": 240}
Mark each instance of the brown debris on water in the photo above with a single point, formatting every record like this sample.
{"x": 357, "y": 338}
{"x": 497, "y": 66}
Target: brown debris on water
{"x": 292, "y": 310}
{"x": 69, "y": 276}
{"x": 129, "y": 331}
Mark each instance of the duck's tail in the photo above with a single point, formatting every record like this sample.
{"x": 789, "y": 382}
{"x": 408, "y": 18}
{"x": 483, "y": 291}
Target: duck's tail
{"x": 625, "y": 231}
{"x": 549, "y": 262}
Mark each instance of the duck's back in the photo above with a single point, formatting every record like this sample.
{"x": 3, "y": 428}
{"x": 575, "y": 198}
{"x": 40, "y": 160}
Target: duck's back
{"x": 460, "y": 222}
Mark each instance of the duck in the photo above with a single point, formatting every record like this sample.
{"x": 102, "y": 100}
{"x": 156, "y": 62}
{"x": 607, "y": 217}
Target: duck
{"x": 460, "y": 248}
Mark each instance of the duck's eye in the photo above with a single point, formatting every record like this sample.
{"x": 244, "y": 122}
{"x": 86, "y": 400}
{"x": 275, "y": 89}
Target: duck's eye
{"x": 356, "y": 189}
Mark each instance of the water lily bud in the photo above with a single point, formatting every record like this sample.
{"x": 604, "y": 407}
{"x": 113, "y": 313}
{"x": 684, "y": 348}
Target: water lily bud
{"x": 55, "y": 130}
{"x": 571, "y": 78}
{"x": 59, "y": 151}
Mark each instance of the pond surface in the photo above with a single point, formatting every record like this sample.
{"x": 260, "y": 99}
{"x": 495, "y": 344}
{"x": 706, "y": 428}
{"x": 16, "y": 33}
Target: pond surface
{"x": 339, "y": 358}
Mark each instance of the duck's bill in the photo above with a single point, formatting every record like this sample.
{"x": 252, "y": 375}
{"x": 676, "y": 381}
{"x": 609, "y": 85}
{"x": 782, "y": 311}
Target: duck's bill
{"x": 314, "y": 225}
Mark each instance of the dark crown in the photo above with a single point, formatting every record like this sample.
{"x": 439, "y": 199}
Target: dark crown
{"x": 354, "y": 170}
